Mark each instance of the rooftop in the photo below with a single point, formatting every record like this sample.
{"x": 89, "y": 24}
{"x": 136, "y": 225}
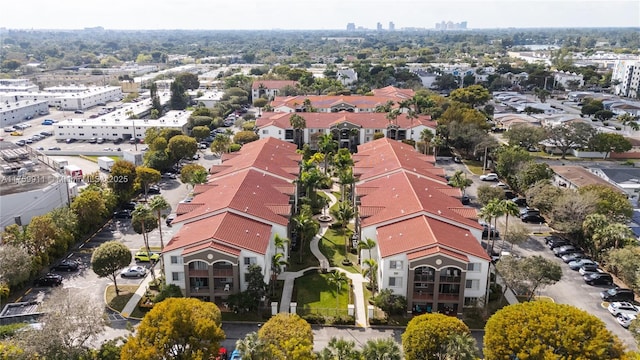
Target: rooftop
{"x": 22, "y": 170}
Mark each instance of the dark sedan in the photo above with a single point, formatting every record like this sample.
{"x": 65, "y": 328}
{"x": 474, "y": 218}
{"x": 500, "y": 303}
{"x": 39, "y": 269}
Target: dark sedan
{"x": 598, "y": 278}
{"x": 48, "y": 280}
{"x": 532, "y": 218}
{"x": 66, "y": 265}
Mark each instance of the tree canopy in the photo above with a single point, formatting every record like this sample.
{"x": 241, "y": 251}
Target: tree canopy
{"x": 287, "y": 336}
{"x": 177, "y": 328}
{"x": 109, "y": 258}
{"x": 426, "y": 336}
{"x": 545, "y": 330}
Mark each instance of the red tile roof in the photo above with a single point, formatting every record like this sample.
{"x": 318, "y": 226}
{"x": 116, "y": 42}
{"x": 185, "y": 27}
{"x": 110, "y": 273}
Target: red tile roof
{"x": 436, "y": 250}
{"x": 268, "y": 155}
{"x": 229, "y": 229}
{"x": 384, "y": 156}
{"x": 246, "y": 191}
{"x": 468, "y": 212}
{"x": 322, "y": 120}
{"x": 403, "y": 195}
{"x": 394, "y": 92}
{"x": 273, "y": 84}
{"x": 211, "y": 245}
{"x": 422, "y": 232}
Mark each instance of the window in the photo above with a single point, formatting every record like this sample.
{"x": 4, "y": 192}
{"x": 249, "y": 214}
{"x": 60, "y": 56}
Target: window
{"x": 475, "y": 267}
{"x": 395, "y": 281}
{"x": 177, "y": 276}
{"x": 265, "y": 132}
{"x": 395, "y": 264}
{"x": 472, "y": 284}
{"x": 250, "y": 261}
{"x": 176, "y": 260}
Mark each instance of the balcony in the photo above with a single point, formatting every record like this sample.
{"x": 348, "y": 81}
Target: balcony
{"x": 222, "y": 272}
{"x": 199, "y": 290}
{"x": 422, "y": 295}
{"x": 198, "y": 273}
{"x": 450, "y": 279}
{"x": 448, "y": 297}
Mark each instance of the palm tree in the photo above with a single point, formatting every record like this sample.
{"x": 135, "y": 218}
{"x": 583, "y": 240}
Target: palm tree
{"x": 343, "y": 214}
{"x": 367, "y": 244}
{"x": 251, "y": 348}
{"x": 338, "y": 278}
{"x": 381, "y": 349}
{"x": 280, "y": 242}
{"x": 298, "y": 123}
{"x": 488, "y": 213}
{"x": 372, "y": 273}
{"x": 327, "y": 145}
{"x": 461, "y": 346}
{"x": 339, "y": 349}
{"x": 277, "y": 262}
{"x": 509, "y": 208}
{"x": 345, "y": 178}
{"x": 139, "y": 216}
{"x": 426, "y": 136}
{"x": 157, "y": 204}
{"x": 438, "y": 142}
{"x": 627, "y": 119}
{"x": 306, "y": 228}
{"x": 459, "y": 180}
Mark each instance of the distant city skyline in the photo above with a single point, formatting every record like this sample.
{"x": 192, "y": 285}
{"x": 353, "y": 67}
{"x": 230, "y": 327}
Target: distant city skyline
{"x": 328, "y": 14}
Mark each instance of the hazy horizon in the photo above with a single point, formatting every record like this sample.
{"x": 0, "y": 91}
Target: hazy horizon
{"x": 327, "y": 15}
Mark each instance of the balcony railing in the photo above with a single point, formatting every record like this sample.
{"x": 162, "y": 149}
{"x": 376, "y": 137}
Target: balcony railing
{"x": 223, "y": 272}
{"x": 448, "y": 297}
{"x": 199, "y": 289}
{"x": 422, "y": 295}
{"x": 450, "y": 279}
{"x": 198, "y": 273}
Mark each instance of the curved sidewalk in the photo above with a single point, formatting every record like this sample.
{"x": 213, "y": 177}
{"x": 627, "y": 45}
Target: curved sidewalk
{"x": 357, "y": 280}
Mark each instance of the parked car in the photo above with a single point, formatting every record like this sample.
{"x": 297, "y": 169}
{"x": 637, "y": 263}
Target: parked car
{"x": 170, "y": 219}
{"x": 48, "y": 280}
{"x": 624, "y": 307}
{"x": 71, "y": 140}
{"x": 143, "y": 256}
{"x": 529, "y": 211}
{"x": 558, "y": 243}
{"x": 78, "y": 112}
{"x": 563, "y": 250}
{"x": 501, "y": 185}
{"x": 598, "y": 278}
{"x": 617, "y": 294}
{"x": 625, "y": 320}
{"x": 567, "y": 258}
{"x": 168, "y": 175}
{"x": 534, "y": 219}
{"x": 520, "y": 201}
{"x": 122, "y": 214}
{"x": 588, "y": 268}
{"x": 494, "y": 233}
{"x": 235, "y": 355}
{"x": 54, "y": 148}
{"x": 92, "y": 140}
{"x": 66, "y": 265}
{"x": 131, "y": 205}
{"x": 465, "y": 200}
{"x": 20, "y": 142}
{"x": 134, "y": 271}
{"x": 489, "y": 177}
{"x": 577, "y": 264}
{"x": 153, "y": 189}
{"x": 548, "y": 239}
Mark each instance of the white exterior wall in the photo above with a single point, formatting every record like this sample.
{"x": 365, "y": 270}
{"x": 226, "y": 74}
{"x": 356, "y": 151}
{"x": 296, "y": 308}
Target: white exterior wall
{"x": 32, "y": 203}
{"x": 90, "y": 98}
{"x": 481, "y": 276}
{"x": 14, "y": 113}
{"x": 271, "y": 131}
{"x": 385, "y": 273}
{"x": 260, "y": 261}
{"x": 170, "y": 268}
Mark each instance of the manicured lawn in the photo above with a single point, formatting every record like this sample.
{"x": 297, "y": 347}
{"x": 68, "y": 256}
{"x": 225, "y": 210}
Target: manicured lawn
{"x": 332, "y": 246}
{"x": 307, "y": 258}
{"x": 474, "y": 166}
{"x": 314, "y": 291}
{"x": 118, "y": 302}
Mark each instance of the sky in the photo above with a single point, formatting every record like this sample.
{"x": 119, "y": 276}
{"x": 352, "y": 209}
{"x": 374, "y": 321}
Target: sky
{"x": 315, "y": 14}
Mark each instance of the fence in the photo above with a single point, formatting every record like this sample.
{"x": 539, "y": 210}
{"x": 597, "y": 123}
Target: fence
{"x": 327, "y": 312}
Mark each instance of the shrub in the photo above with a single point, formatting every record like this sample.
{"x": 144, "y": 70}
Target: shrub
{"x": 378, "y": 321}
{"x": 343, "y": 320}
{"x": 168, "y": 291}
{"x": 390, "y": 303}
{"x": 315, "y": 319}
{"x": 496, "y": 292}
{"x": 234, "y": 147}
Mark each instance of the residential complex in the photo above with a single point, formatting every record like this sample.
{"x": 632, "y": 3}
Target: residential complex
{"x": 626, "y": 77}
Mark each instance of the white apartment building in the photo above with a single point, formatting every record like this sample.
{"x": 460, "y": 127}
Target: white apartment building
{"x": 627, "y": 74}
{"x": 12, "y": 113}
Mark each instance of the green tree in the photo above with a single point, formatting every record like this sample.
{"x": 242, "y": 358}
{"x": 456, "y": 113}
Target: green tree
{"x": 188, "y": 80}
{"x": 527, "y": 275}
{"x": 570, "y": 210}
{"x": 278, "y": 261}
{"x": 546, "y": 330}
{"x": 381, "y": 349}
{"x": 508, "y": 208}
{"x": 542, "y": 195}
{"x": 157, "y": 205}
{"x": 192, "y": 174}
{"x": 525, "y": 135}
{"x": 426, "y": 336}
{"x": 573, "y": 135}
{"x": 509, "y": 160}
{"x": 146, "y": 176}
{"x": 461, "y": 347}
{"x": 122, "y": 179}
{"x": 623, "y": 263}
{"x": 340, "y": 349}
{"x": 591, "y": 106}
{"x": 220, "y": 144}
{"x": 90, "y": 208}
{"x": 486, "y": 193}
{"x": 473, "y": 95}
{"x": 287, "y": 336}
{"x": 15, "y": 265}
{"x": 250, "y": 347}
{"x": 371, "y": 272}
{"x": 542, "y": 94}
{"x": 298, "y": 123}
{"x": 182, "y": 147}
{"x": 426, "y": 136}
{"x": 608, "y": 143}
{"x": 244, "y": 137}
{"x": 491, "y": 211}
{"x": 613, "y": 236}
{"x": 337, "y": 279}
{"x": 531, "y": 173}
{"x": 179, "y": 98}
{"x": 343, "y": 214}
{"x": 459, "y": 180}
{"x": 328, "y": 146}
{"x": 200, "y": 132}
{"x": 306, "y": 227}
{"x": 108, "y": 259}
{"x": 177, "y": 328}
{"x": 612, "y": 203}
{"x": 591, "y": 224}
{"x": 516, "y": 234}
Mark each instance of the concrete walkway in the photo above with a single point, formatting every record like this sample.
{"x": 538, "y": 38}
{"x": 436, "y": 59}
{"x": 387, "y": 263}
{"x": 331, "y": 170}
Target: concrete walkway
{"x": 357, "y": 279}
{"x": 135, "y": 299}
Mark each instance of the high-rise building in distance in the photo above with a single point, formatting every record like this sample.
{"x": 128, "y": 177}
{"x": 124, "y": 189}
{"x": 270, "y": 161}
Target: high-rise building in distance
{"x": 392, "y": 26}
{"x": 351, "y": 27}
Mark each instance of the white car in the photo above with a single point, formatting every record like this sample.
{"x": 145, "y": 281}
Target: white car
{"x": 620, "y": 308}
{"x": 625, "y": 320}
{"x": 489, "y": 177}
{"x": 134, "y": 271}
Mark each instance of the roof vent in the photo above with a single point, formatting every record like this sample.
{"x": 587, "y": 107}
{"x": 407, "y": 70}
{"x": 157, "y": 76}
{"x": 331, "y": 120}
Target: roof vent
{"x": 246, "y": 231}
{"x": 439, "y": 212}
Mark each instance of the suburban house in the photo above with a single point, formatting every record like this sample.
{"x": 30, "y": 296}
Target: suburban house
{"x": 349, "y": 129}
{"x": 427, "y": 244}
{"x": 337, "y": 103}
{"x": 269, "y": 88}
{"x": 626, "y": 178}
{"x": 575, "y": 177}
{"x": 230, "y": 222}
{"x": 347, "y": 76}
